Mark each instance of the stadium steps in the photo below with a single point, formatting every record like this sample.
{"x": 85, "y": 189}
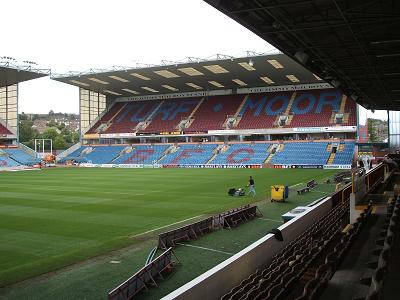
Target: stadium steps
{"x": 189, "y": 120}
{"x": 126, "y": 150}
{"x": 271, "y": 155}
{"x": 331, "y": 158}
{"x": 104, "y": 126}
{"x": 343, "y": 104}
{"x": 237, "y": 113}
{"x": 109, "y": 122}
{"x": 169, "y": 150}
{"x": 289, "y": 120}
{"x": 216, "y": 151}
{"x": 289, "y": 107}
{"x": 271, "y": 152}
{"x": 196, "y": 108}
{"x": 241, "y": 106}
{"x": 150, "y": 117}
{"x": 332, "y": 119}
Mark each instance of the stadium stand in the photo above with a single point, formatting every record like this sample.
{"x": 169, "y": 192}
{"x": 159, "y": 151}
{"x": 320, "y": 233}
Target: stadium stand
{"x": 4, "y": 130}
{"x": 254, "y": 111}
{"x": 21, "y": 156}
{"x": 316, "y": 108}
{"x": 6, "y": 162}
{"x": 288, "y": 153}
{"x": 243, "y": 154}
{"x": 261, "y": 110}
{"x": 95, "y": 154}
{"x": 344, "y": 156}
{"x": 141, "y": 154}
{"x": 106, "y": 120}
{"x": 212, "y": 113}
{"x": 190, "y": 154}
{"x": 308, "y": 153}
{"x": 130, "y": 115}
{"x": 170, "y": 113}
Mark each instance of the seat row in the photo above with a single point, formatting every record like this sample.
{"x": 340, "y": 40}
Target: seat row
{"x": 308, "y": 108}
{"x": 315, "y": 286}
{"x": 287, "y": 267}
{"x": 307, "y": 153}
{"x": 390, "y": 233}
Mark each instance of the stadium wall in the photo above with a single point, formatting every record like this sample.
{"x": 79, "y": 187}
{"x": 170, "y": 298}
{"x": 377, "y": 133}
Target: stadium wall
{"x": 220, "y": 279}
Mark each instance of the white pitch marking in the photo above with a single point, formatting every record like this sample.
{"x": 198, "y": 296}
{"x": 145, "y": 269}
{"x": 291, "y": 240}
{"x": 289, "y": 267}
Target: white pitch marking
{"x": 155, "y": 229}
{"x": 295, "y": 185}
{"x": 115, "y": 262}
{"x": 266, "y": 219}
{"x": 204, "y": 248}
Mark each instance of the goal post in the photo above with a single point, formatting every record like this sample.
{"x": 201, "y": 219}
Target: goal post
{"x": 43, "y": 147}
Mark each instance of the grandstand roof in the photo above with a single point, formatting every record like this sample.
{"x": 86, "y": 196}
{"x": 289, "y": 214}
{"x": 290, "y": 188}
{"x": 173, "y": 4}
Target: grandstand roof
{"x": 352, "y": 44}
{"x": 220, "y": 73}
{"x": 12, "y": 73}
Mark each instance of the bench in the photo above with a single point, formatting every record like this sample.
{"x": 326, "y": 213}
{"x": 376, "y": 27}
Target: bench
{"x": 303, "y": 190}
{"x": 311, "y": 184}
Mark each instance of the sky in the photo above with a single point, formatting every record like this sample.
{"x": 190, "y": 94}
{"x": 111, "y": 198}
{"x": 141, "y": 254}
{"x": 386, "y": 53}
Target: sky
{"x": 77, "y": 35}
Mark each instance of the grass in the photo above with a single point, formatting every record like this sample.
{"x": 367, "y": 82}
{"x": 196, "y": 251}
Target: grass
{"x": 54, "y": 218}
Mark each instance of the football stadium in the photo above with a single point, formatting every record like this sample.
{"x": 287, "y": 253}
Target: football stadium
{"x": 221, "y": 178}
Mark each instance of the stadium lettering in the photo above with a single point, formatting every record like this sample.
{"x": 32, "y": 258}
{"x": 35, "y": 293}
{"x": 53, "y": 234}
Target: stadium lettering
{"x": 140, "y": 156}
{"x": 303, "y": 104}
{"x": 284, "y": 99}
{"x": 231, "y": 157}
{"x": 185, "y": 154}
{"x": 332, "y": 99}
{"x": 183, "y": 107}
{"x": 137, "y": 118}
{"x": 166, "y": 110}
{"x": 126, "y": 111}
{"x": 257, "y": 106}
{"x": 300, "y": 105}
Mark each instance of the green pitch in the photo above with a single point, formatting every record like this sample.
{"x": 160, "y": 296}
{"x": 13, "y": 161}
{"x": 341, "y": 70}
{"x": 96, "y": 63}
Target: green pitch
{"x": 53, "y": 218}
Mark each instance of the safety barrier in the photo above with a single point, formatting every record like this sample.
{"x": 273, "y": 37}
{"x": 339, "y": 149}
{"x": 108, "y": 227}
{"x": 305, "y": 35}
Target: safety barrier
{"x": 143, "y": 278}
{"x": 187, "y": 232}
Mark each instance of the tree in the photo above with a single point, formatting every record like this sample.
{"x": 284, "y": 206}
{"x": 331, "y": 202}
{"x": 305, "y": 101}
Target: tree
{"x": 52, "y": 123}
{"x": 61, "y": 126}
{"x": 23, "y": 117}
{"x": 75, "y": 137}
{"x": 50, "y": 133}
{"x": 51, "y": 112}
{"x": 59, "y": 143}
{"x": 26, "y": 132}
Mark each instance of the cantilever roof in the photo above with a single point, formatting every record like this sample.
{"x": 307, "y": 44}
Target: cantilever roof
{"x": 352, "y": 44}
{"x": 200, "y": 75}
{"x": 11, "y": 73}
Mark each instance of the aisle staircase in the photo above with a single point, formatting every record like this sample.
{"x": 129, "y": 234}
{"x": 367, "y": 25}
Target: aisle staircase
{"x": 331, "y": 158}
{"x": 236, "y": 116}
{"x": 216, "y": 151}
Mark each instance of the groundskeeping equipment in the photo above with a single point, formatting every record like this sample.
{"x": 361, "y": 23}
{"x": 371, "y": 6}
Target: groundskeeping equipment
{"x": 279, "y": 193}
{"x": 236, "y": 192}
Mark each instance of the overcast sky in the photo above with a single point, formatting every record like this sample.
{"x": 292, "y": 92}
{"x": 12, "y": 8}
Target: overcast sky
{"x": 76, "y": 35}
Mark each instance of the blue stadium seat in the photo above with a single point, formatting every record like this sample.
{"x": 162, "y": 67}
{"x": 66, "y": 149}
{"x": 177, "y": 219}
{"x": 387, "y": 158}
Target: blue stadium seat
{"x": 190, "y": 154}
{"x": 312, "y": 153}
{"x": 243, "y": 154}
{"x": 142, "y": 154}
{"x": 21, "y": 156}
{"x": 345, "y": 157}
{"x": 6, "y": 162}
